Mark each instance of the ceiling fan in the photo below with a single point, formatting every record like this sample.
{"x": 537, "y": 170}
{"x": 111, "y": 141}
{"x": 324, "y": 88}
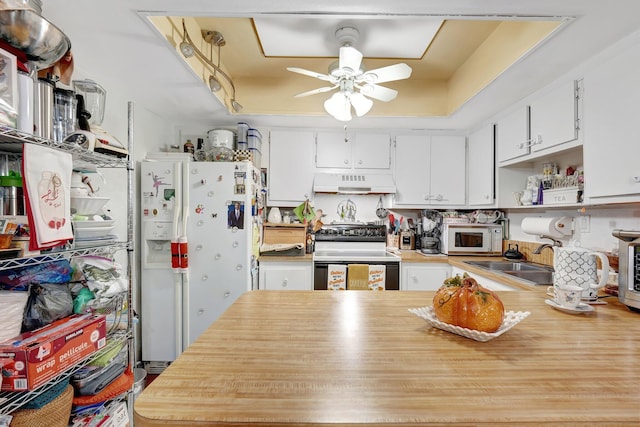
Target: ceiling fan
{"x": 355, "y": 84}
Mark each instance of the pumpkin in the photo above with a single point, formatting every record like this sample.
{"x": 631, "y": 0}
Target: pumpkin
{"x": 461, "y": 301}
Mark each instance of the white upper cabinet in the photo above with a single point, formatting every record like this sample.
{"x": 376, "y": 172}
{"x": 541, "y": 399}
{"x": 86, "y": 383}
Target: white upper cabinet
{"x": 611, "y": 145}
{"x": 353, "y": 150}
{"x": 334, "y": 150}
{"x": 291, "y": 167}
{"x": 554, "y": 117}
{"x": 481, "y": 171}
{"x": 512, "y": 135}
{"x": 430, "y": 170}
{"x": 448, "y": 170}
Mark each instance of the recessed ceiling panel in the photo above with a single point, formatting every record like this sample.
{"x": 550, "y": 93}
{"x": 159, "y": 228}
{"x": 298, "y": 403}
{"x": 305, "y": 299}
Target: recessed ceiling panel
{"x": 309, "y": 36}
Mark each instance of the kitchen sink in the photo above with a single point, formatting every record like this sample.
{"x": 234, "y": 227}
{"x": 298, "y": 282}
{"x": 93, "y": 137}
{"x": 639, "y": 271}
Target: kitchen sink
{"x": 507, "y": 265}
{"x": 535, "y": 274}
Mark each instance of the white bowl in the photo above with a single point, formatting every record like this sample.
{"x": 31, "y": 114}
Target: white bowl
{"x": 88, "y": 205}
{"x": 91, "y": 233}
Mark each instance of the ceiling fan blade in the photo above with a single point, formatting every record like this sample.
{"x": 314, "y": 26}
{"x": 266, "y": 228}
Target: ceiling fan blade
{"x": 315, "y": 91}
{"x": 387, "y": 74}
{"x": 380, "y": 93}
{"x": 309, "y": 73}
{"x": 350, "y": 59}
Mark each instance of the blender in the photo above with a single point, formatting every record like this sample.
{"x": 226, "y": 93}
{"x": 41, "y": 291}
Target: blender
{"x": 91, "y": 107}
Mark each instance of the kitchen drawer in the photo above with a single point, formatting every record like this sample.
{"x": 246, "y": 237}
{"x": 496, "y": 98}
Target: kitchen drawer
{"x": 282, "y": 276}
{"x": 284, "y": 233}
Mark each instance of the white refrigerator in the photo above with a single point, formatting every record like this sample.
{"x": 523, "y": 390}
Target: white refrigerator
{"x": 200, "y": 242}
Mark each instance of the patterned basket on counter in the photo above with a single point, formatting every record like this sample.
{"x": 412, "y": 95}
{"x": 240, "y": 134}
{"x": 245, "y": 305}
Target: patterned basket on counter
{"x": 54, "y": 414}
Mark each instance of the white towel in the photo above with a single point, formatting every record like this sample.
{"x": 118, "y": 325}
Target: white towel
{"x": 377, "y": 275}
{"x": 47, "y": 180}
{"x": 337, "y": 277}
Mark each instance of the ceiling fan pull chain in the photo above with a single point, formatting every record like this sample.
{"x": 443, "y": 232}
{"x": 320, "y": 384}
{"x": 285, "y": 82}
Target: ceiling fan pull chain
{"x": 346, "y": 138}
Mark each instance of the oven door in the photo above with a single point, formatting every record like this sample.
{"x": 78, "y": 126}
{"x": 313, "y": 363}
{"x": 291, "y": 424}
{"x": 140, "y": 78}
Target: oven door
{"x": 321, "y": 273}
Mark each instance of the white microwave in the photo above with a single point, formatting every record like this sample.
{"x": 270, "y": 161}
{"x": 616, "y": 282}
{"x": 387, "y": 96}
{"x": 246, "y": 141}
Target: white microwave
{"x": 472, "y": 239}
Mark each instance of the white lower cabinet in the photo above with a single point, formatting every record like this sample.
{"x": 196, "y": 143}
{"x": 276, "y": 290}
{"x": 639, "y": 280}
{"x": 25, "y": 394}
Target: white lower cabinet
{"x": 487, "y": 283}
{"x": 423, "y": 276}
{"x": 282, "y": 276}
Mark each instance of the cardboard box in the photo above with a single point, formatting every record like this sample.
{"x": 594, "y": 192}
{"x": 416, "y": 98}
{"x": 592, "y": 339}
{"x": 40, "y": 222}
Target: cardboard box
{"x": 34, "y": 358}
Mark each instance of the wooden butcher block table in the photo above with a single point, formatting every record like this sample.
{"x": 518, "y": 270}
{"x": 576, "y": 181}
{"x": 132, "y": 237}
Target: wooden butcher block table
{"x": 351, "y": 358}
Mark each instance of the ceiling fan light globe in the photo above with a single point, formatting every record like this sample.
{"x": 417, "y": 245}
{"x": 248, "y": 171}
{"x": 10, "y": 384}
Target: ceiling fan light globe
{"x": 186, "y": 49}
{"x": 339, "y": 107}
{"x": 361, "y": 104}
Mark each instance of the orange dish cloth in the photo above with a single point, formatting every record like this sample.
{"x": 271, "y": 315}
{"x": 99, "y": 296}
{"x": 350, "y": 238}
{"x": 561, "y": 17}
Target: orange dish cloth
{"x": 358, "y": 277}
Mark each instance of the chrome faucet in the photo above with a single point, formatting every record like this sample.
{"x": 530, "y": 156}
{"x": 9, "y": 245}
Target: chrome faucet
{"x": 547, "y": 245}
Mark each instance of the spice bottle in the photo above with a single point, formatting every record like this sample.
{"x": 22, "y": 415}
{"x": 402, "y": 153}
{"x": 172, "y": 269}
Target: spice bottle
{"x": 188, "y": 147}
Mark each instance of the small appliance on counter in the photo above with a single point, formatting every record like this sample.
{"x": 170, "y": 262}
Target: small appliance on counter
{"x": 92, "y": 99}
{"x": 513, "y": 254}
{"x": 629, "y": 268}
{"x": 430, "y": 229}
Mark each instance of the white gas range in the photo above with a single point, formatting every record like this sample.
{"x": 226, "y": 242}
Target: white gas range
{"x": 353, "y": 243}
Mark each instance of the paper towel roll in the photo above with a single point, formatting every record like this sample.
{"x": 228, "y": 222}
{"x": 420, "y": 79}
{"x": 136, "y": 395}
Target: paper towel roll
{"x": 552, "y": 227}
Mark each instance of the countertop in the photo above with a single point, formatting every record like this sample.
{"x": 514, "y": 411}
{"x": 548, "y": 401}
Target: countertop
{"x": 412, "y": 256}
{"x": 360, "y": 358}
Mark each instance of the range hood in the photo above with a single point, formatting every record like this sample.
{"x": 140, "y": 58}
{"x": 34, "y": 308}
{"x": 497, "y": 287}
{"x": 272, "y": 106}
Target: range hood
{"x": 353, "y": 183}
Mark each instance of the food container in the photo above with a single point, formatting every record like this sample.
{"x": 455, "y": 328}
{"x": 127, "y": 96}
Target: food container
{"x": 64, "y": 113}
{"x": 254, "y": 139}
{"x": 221, "y": 138}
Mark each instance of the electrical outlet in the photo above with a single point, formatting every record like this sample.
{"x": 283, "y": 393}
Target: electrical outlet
{"x": 584, "y": 223}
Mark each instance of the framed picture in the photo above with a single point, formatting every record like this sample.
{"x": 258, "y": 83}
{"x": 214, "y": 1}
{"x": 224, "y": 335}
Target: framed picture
{"x": 8, "y": 88}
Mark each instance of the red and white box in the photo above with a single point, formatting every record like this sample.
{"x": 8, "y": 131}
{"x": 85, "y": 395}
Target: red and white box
{"x": 34, "y": 358}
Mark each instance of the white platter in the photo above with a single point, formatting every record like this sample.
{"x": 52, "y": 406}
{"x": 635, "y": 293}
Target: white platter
{"x": 93, "y": 223}
{"x": 581, "y": 308}
{"x": 92, "y": 233}
{"x": 511, "y": 319}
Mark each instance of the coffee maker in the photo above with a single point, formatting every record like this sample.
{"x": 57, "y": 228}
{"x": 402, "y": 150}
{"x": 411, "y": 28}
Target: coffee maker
{"x": 429, "y": 230}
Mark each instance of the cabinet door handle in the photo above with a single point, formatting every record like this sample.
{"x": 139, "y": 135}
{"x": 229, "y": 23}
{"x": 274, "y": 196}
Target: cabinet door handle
{"x": 360, "y": 162}
{"x": 285, "y": 282}
{"x": 414, "y": 278}
{"x": 531, "y": 142}
{"x": 346, "y": 161}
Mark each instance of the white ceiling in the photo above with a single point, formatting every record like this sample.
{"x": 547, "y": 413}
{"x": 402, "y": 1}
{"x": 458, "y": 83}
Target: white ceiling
{"x": 114, "y": 45}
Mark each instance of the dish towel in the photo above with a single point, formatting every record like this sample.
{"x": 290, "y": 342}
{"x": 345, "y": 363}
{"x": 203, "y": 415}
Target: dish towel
{"x": 47, "y": 181}
{"x": 337, "y": 277}
{"x": 358, "y": 277}
{"x": 377, "y": 275}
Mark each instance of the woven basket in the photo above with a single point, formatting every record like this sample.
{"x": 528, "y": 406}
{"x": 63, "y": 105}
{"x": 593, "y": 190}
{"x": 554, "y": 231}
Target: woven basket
{"x": 54, "y": 414}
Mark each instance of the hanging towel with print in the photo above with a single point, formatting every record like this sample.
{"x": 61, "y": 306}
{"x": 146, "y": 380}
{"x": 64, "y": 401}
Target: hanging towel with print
{"x": 47, "y": 177}
{"x": 358, "y": 277}
{"x": 337, "y": 277}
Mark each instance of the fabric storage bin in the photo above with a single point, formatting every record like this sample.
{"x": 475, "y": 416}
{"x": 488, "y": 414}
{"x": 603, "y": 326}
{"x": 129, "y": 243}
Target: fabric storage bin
{"x": 12, "y": 304}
